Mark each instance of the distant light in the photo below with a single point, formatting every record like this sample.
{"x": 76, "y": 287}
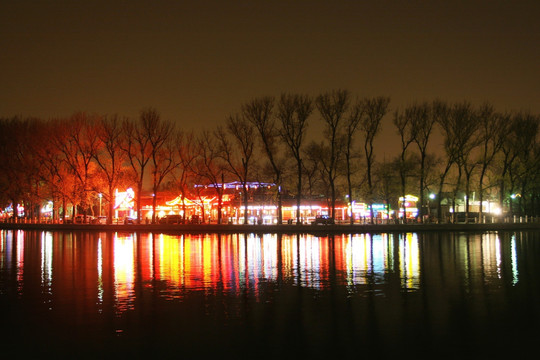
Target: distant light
{"x": 408, "y": 198}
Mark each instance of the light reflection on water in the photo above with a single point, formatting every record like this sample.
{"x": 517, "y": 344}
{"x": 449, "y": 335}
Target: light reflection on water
{"x": 236, "y": 262}
{"x": 315, "y": 293}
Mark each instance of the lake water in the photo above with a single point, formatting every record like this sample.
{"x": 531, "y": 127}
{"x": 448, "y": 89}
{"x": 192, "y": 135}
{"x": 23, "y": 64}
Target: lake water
{"x": 139, "y": 295}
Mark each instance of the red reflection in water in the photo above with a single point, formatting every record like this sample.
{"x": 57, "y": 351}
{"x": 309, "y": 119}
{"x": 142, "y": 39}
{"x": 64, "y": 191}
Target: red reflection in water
{"x": 105, "y": 268}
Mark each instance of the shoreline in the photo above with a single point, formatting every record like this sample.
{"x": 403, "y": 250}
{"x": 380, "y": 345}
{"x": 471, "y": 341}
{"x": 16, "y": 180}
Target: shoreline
{"x": 272, "y": 229}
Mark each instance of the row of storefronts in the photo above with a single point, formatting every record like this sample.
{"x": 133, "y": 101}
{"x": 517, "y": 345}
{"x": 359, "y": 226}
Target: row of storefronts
{"x": 261, "y": 208}
{"x": 204, "y": 204}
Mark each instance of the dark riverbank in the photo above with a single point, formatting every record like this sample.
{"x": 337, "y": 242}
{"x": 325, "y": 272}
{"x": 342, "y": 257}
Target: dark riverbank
{"x": 285, "y": 228}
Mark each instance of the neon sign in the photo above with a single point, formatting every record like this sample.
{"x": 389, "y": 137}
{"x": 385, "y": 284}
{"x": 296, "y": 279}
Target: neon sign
{"x": 124, "y": 200}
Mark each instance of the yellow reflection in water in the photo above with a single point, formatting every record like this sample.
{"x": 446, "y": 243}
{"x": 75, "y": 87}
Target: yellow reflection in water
{"x": 237, "y": 262}
{"x": 241, "y": 261}
{"x": 169, "y": 255}
{"x": 410, "y": 261}
{"x": 124, "y": 273}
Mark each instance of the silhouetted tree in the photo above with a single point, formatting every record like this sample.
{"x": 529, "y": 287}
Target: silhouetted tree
{"x": 78, "y": 144}
{"x": 210, "y": 165}
{"x": 136, "y": 144}
{"x": 110, "y": 158}
{"x": 260, "y": 113}
{"x": 160, "y": 134}
{"x": 187, "y": 151}
{"x": 333, "y": 107}
{"x": 389, "y": 183}
{"x": 493, "y": 128}
{"x": 20, "y": 169}
{"x": 315, "y": 182}
{"x": 293, "y": 113}
{"x": 54, "y": 176}
{"x": 352, "y": 125}
{"x": 242, "y": 133}
{"x": 520, "y": 146}
{"x": 468, "y": 141}
{"x": 375, "y": 109}
{"x": 458, "y": 127}
{"x": 422, "y": 121}
{"x": 403, "y": 122}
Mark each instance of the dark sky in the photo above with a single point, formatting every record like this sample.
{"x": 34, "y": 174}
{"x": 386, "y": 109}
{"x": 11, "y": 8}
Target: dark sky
{"x": 197, "y": 61}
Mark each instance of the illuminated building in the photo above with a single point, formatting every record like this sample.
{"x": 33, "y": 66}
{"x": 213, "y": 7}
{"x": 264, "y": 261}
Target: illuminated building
{"x": 203, "y": 201}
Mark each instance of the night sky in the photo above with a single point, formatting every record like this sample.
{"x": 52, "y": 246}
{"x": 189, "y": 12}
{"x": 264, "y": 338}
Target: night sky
{"x": 196, "y": 62}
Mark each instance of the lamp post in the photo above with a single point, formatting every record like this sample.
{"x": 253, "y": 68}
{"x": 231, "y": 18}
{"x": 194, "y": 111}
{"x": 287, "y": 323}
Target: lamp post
{"x": 431, "y": 198}
{"x": 100, "y": 196}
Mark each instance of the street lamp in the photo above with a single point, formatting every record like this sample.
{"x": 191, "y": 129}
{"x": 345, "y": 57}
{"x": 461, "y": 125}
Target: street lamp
{"x": 100, "y": 196}
{"x": 431, "y": 198}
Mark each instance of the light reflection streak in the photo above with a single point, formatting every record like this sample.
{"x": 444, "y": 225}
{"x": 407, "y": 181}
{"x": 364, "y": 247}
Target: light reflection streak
{"x": 492, "y": 255}
{"x": 514, "y": 259}
{"x": 124, "y": 277}
{"x": 358, "y": 252}
{"x": 498, "y": 256}
{"x": 169, "y": 253}
{"x": 310, "y": 263}
{"x": 100, "y": 289}
{"x": 379, "y": 251}
{"x": 410, "y": 261}
{"x": 20, "y": 260}
{"x": 46, "y": 262}
{"x": 5, "y": 247}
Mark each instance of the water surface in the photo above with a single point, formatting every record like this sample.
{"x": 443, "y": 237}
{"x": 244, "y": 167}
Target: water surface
{"x": 110, "y": 295}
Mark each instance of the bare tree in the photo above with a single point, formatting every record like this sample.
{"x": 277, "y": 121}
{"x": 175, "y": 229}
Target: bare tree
{"x": 351, "y": 128}
{"x": 293, "y": 113}
{"x": 375, "y": 109}
{"x": 315, "y": 181}
{"x": 519, "y": 156}
{"x": 422, "y": 121}
{"x": 138, "y": 148}
{"x": 389, "y": 183}
{"x": 530, "y": 161}
{"x": 162, "y": 150}
{"x": 458, "y": 128}
{"x": 492, "y": 132}
{"x": 110, "y": 158}
{"x": 20, "y": 169}
{"x": 448, "y": 128}
{"x": 78, "y": 150}
{"x": 187, "y": 151}
{"x": 210, "y": 165}
{"x": 333, "y": 107}
{"x": 55, "y": 175}
{"x": 260, "y": 113}
{"x": 468, "y": 140}
{"x": 239, "y": 163}
{"x": 403, "y": 122}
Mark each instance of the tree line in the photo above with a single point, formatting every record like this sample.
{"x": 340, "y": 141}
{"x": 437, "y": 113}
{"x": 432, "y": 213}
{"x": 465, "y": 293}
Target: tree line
{"x": 485, "y": 153}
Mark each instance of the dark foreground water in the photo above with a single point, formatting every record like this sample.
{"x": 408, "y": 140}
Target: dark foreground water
{"x": 138, "y": 295}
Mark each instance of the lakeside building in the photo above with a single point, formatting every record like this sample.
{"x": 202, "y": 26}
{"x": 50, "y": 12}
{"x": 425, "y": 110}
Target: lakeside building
{"x": 204, "y": 203}
{"x": 262, "y": 207}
